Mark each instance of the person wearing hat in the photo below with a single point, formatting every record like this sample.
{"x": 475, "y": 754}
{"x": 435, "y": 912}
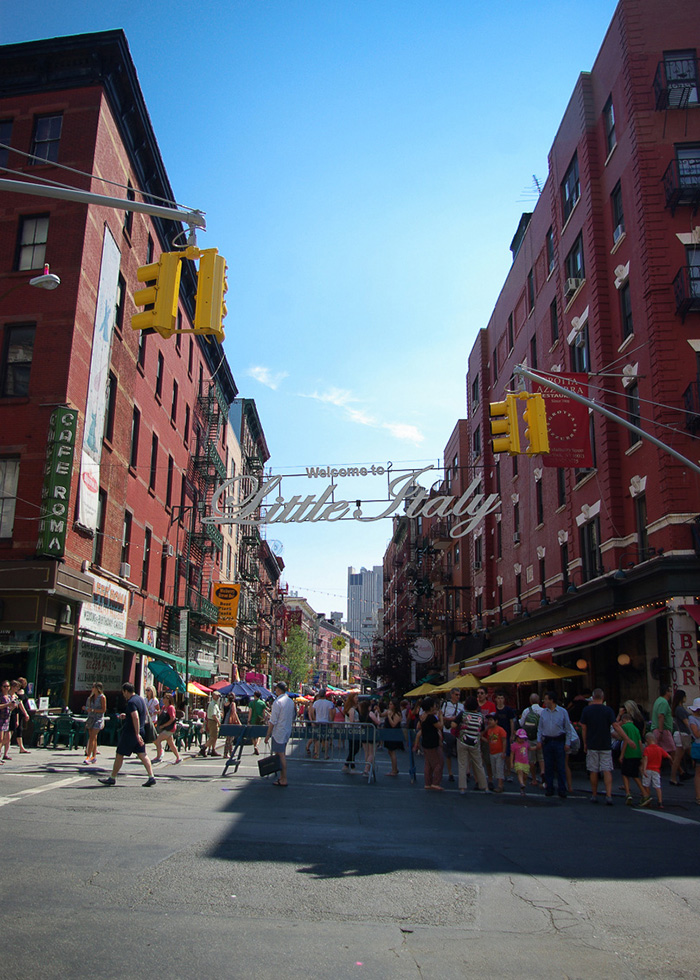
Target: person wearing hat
{"x": 694, "y": 725}
{"x": 520, "y": 758}
{"x": 213, "y": 725}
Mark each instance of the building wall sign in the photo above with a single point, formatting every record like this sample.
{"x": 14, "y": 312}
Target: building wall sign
{"x": 404, "y": 491}
{"x": 683, "y": 654}
{"x": 55, "y": 494}
{"x": 98, "y": 662}
{"x": 108, "y": 611}
{"x": 225, "y": 597}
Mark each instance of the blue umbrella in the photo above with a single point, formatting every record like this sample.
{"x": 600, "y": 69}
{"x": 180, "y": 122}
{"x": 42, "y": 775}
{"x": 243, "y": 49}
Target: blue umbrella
{"x": 167, "y": 675}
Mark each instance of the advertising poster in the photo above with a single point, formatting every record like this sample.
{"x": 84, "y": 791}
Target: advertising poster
{"x": 567, "y": 423}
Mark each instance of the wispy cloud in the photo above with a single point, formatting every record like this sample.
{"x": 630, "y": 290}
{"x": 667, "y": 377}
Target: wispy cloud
{"x": 345, "y": 400}
{"x": 267, "y": 377}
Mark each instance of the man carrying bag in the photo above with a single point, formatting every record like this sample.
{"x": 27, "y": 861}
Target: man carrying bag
{"x": 280, "y": 730}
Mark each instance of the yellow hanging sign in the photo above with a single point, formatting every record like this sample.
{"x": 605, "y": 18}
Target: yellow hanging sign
{"x": 225, "y": 597}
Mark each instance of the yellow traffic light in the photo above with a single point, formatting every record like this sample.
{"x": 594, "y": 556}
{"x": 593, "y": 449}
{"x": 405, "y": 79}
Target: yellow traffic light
{"x": 535, "y": 419}
{"x": 505, "y": 437}
{"x": 160, "y": 295}
{"x": 210, "y": 308}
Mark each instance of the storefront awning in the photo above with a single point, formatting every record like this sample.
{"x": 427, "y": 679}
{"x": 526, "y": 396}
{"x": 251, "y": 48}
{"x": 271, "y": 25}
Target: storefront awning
{"x": 157, "y": 654}
{"x": 693, "y": 611}
{"x": 485, "y": 655}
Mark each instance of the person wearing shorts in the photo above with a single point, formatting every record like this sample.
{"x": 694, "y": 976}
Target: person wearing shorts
{"x": 652, "y": 758}
{"x": 662, "y": 720}
{"x": 131, "y": 739}
{"x": 631, "y": 757}
{"x": 597, "y": 718}
{"x": 279, "y": 728}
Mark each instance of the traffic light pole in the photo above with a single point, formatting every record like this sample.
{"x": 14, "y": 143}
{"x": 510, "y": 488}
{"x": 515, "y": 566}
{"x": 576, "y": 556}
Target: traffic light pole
{"x": 545, "y": 380}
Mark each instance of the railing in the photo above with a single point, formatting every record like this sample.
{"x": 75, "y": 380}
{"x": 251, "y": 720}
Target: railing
{"x": 686, "y": 290}
{"x": 210, "y": 457}
{"x": 202, "y": 607}
{"x": 676, "y": 83}
{"x": 682, "y": 183}
{"x": 691, "y": 401}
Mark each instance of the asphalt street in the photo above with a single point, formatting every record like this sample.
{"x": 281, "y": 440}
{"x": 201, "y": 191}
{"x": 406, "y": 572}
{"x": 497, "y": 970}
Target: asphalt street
{"x": 335, "y": 877}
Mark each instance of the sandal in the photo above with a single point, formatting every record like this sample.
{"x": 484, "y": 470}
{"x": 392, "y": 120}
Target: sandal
{"x": 278, "y": 783}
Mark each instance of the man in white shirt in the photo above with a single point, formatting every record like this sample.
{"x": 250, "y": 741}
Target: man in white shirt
{"x": 321, "y": 712}
{"x": 213, "y": 725}
{"x": 280, "y": 728}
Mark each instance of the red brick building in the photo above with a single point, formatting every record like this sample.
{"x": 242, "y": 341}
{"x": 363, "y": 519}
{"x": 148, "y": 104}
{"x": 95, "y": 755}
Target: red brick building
{"x": 149, "y": 446}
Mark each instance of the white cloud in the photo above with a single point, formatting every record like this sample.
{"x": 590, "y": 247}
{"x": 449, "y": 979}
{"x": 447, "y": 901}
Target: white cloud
{"x": 271, "y": 379}
{"x": 342, "y": 398}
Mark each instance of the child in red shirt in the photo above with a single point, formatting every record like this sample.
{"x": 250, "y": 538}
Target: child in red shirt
{"x": 495, "y": 736}
{"x": 652, "y": 757}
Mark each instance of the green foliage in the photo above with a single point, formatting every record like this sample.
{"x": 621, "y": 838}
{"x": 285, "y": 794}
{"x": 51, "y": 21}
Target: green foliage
{"x": 391, "y": 666}
{"x": 297, "y": 655}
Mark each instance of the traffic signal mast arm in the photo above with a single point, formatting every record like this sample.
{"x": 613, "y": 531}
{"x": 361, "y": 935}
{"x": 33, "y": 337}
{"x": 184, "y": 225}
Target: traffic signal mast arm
{"x": 546, "y": 380}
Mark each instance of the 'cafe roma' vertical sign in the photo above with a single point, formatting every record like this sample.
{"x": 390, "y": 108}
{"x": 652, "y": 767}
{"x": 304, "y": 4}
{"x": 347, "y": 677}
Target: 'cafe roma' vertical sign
{"x": 55, "y": 494}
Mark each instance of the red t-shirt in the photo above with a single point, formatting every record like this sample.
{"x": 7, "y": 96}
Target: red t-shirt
{"x": 655, "y": 755}
{"x": 496, "y": 738}
{"x": 487, "y": 708}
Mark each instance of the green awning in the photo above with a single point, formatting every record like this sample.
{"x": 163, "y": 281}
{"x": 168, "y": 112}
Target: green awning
{"x": 157, "y": 654}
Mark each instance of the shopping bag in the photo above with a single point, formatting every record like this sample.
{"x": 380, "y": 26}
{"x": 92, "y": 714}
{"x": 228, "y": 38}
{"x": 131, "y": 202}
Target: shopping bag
{"x": 269, "y": 764}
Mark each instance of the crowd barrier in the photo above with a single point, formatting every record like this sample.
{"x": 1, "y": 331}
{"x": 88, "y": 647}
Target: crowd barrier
{"x": 339, "y": 744}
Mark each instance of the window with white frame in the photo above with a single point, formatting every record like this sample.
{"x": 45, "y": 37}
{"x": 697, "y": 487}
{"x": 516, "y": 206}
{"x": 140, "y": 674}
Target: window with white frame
{"x": 31, "y": 248}
{"x": 9, "y": 475}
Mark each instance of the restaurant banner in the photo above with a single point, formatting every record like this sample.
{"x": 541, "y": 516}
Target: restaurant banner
{"x": 58, "y": 472}
{"x": 108, "y": 611}
{"x": 225, "y": 596}
{"x": 97, "y": 661}
{"x": 567, "y": 423}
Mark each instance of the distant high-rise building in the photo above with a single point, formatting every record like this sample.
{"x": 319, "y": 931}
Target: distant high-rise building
{"x": 364, "y": 603}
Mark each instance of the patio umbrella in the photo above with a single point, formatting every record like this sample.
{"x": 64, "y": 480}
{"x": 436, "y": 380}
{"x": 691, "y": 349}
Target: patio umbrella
{"x": 417, "y": 692}
{"x": 463, "y": 682}
{"x": 166, "y": 675}
{"x": 195, "y": 688}
{"x": 529, "y": 671}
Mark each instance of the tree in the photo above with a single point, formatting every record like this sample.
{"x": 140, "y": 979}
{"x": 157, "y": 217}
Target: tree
{"x": 296, "y": 656}
{"x": 391, "y": 665}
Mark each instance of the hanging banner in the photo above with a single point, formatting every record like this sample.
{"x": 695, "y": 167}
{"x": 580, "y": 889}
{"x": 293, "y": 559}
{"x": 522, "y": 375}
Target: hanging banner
{"x": 96, "y": 405}
{"x": 225, "y": 597}
{"x": 567, "y": 423}
{"x": 55, "y": 494}
{"x": 683, "y": 653}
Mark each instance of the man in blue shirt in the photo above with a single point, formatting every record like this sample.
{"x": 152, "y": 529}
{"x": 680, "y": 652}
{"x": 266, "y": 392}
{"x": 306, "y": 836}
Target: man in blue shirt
{"x": 132, "y": 738}
{"x": 553, "y": 735}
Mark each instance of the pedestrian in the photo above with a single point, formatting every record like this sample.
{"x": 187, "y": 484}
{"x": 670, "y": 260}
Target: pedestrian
{"x": 166, "y": 724}
{"x": 505, "y": 719}
{"x": 231, "y": 717}
{"x": 469, "y": 746}
{"x": 495, "y": 737}
{"x": 368, "y": 720}
{"x": 18, "y": 716}
{"x": 553, "y": 735}
{"x": 338, "y": 714}
{"x": 694, "y": 725}
{"x": 213, "y": 725}
{"x": 7, "y": 705}
{"x": 279, "y": 728}
{"x": 131, "y": 738}
{"x": 652, "y": 757}
{"x": 486, "y": 707}
{"x": 630, "y": 756}
{"x": 662, "y": 720}
{"x": 256, "y": 716}
{"x": 450, "y": 714}
{"x": 321, "y": 713}
{"x": 392, "y": 721}
{"x": 24, "y": 715}
{"x": 95, "y": 706}
{"x": 597, "y": 719}
{"x": 153, "y": 704}
{"x": 530, "y": 720}
{"x": 520, "y": 758}
{"x": 351, "y": 717}
{"x": 429, "y": 740}
{"x": 681, "y": 736}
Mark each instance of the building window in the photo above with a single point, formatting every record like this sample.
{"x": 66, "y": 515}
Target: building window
{"x": 554, "y": 321}
{"x": 47, "y": 136}
{"x": 681, "y": 77}
{"x": 550, "y": 251}
{"x": 18, "y": 351}
{"x": 476, "y": 441}
{"x": 5, "y": 137}
{"x": 609, "y": 123}
{"x": 543, "y": 579}
{"x": 173, "y": 405}
{"x": 530, "y": 290}
{"x": 590, "y": 549}
{"x": 31, "y": 249}
{"x": 190, "y": 356}
{"x": 574, "y": 264}
{"x": 564, "y": 559}
{"x": 570, "y": 189}
{"x": 640, "y": 510}
{"x": 475, "y": 392}
{"x": 159, "y": 375}
{"x": 154, "y": 463}
{"x": 533, "y": 353}
{"x": 163, "y": 574}
{"x": 126, "y": 537}
{"x": 228, "y": 562}
{"x": 495, "y": 365}
{"x": 499, "y": 540}
{"x": 119, "y": 305}
{"x": 580, "y": 352}
{"x": 135, "y": 430}
{"x": 9, "y": 476}
{"x": 515, "y": 466}
{"x": 186, "y": 433}
{"x": 511, "y": 335}
{"x": 618, "y": 216}
{"x": 169, "y": 484}
{"x": 146, "y": 559}
{"x": 149, "y": 250}
{"x": 626, "y": 311}
{"x": 98, "y": 540}
{"x": 516, "y": 517}
{"x": 110, "y": 414}
{"x": 539, "y": 498}
{"x": 634, "y": 414}
{"x": 129, "y": 215}
{"x": 141, "y": 357}
{"x": 561, "y": 486}
{"x": 178, "y": 336}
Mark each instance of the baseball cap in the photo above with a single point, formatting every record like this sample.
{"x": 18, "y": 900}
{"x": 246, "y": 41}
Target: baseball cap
{"x": 521, "y": 733}
{"x": 695, "y": 706}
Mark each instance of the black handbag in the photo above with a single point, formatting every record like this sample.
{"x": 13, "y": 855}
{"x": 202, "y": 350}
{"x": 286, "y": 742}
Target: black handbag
{"x": 269, "y": 764}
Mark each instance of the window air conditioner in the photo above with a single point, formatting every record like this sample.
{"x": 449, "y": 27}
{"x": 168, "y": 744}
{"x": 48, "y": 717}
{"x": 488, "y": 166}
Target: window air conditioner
{"x": 125, "y": 570}
{"x": 571, "y": 286}
{"x": 477, "y": 566}
{"x": 517, "y": 608}
{"x": 169, "y": 550}
{"x": 617, "y": 234}
{"x": 516, "y": 537}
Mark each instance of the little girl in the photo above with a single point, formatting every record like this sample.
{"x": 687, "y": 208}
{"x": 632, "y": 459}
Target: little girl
{"x": 519, "y": 758}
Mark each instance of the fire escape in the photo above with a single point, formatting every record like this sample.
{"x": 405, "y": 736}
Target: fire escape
{"x": 248, "y": 648}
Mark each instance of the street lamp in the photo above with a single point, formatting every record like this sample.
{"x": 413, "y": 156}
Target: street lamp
{"x": 47, "y": 280}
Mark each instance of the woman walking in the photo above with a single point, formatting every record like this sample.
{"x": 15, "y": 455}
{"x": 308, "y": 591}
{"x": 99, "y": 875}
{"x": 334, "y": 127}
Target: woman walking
{"x": 152, "y": 704}
{"x": 392, "y": 720}
{"x": 7, "y": 705}
{"x": 429, "y": 739}
{"x": 95, "y": 706}
{"x": 350, "y": 717}
{"x": 166, "y": 724}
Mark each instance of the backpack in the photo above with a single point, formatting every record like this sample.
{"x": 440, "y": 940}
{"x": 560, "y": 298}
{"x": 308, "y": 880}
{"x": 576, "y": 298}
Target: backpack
{"x": 531, "y": 724}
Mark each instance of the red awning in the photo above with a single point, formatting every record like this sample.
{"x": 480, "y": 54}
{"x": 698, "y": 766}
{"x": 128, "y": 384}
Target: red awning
{"x": 588, "y": 636}
{"x": 693, "y": 611}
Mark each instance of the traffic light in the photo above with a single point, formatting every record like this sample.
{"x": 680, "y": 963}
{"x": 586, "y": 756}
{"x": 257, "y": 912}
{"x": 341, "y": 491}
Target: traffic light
{"x": 161, "y": 295}
{"x": 210, "y": 308}
{"x": 505, "y": 437}
{"x": 535, "y": 419}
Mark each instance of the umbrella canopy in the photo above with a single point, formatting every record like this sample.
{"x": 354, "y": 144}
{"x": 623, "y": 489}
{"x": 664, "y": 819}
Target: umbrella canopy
{"x": 463, "y": 682}
{"x": 194, "y": 688}
{"x": 420, "y": 690}
{"x": 220, "y": 685}
{"x": 529, "y": 671}
{"x": 239, "y": 689}
{"x": 167, "y": 675}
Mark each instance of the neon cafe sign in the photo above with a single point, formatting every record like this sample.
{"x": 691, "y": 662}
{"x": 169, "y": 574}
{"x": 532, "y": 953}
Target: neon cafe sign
{"x": 262, "y": 501}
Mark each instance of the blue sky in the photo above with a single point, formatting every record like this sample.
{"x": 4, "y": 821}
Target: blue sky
{"x": 363, "y": 165}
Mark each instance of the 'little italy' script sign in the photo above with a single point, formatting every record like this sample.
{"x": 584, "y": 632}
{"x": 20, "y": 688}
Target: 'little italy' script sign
{"x": 471, "y": 506}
